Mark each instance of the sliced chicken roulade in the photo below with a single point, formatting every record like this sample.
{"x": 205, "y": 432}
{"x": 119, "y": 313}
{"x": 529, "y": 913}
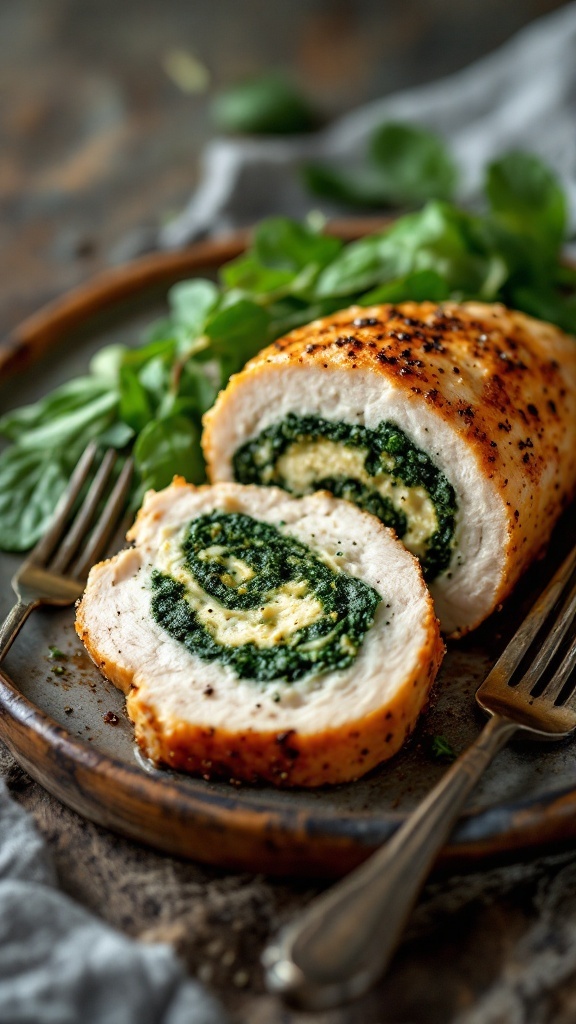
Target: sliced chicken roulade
{"x": 453, "y": 424}
{"x": 259, "y": 636}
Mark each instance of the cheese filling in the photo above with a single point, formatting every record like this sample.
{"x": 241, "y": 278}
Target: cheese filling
{"x": 380, "y": 470}
{"x": 305, "y": 462}
{"x": 240, "y": 591}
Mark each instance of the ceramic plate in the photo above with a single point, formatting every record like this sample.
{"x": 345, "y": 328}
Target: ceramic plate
{"x": 71, "y": 733}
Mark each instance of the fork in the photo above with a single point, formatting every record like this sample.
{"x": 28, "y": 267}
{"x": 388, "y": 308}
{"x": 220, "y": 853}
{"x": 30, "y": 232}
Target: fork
{"x": 55, "y": 571}
{"x": 345, "y": 939}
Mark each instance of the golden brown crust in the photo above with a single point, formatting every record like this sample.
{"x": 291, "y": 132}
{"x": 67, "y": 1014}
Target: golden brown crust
{"x": 504, "y": 381}
{"x": 289, "y": 758}
{"x": 282, "y": 758}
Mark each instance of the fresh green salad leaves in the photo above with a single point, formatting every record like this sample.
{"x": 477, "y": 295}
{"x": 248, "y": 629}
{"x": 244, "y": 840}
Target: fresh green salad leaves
{"x": 439, "y": 238}
{"x": 264, "y": 105}
{"x": 31, "y": 483}
{"x": 525, "y": 197}
{"x": 414, "y": 164}
{"x": 152, "y": 398}
{"x": 164, "y": 445}
{"x": 405, "y": 165}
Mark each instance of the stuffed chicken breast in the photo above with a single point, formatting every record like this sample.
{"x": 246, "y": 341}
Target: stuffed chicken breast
{"x": 453, "y": 424}
{"x": 260, "y": 636}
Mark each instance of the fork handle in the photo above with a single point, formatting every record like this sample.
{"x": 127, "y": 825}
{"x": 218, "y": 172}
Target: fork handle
{"x": 347, "y": 936}
{"x": 13, "y": 624}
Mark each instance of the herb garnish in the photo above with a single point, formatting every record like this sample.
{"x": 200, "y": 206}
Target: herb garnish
{"x": 441, "y": 750}
{"x": 405, "y": 165}
{"x": 264, "y": 105}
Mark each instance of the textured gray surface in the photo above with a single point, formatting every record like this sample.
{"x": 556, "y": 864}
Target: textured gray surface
{"x": 496, "y": 947}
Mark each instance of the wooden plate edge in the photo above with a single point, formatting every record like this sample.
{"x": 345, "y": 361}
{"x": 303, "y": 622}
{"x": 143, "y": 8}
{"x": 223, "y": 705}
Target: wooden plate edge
{"x": 224, "y": 832}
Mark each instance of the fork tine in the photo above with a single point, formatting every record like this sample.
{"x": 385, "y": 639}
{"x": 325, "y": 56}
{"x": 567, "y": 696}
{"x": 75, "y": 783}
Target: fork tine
{"x": 552, "y": 643}
{"x": 82, "y": 522}
{"x": 44, "y": 548}
{"x": 561, "y": 677}
{"x": 515, "y": 651}
{"x": 107, "y": 522}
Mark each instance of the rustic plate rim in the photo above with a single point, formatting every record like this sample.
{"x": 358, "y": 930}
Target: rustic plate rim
{"x": 499, "y": 832}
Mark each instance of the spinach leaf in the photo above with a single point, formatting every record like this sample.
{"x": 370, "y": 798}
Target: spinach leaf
{"x": 361, "y": 187}
{"x": 60, "y": 403}
{"x": 293, "y": 312}
{"x": 546, "y": 304}
{"x": 119, "y": 435}
{"x": 30, "y": 486}
{"x": 238, "y": 331}
{"x": 166, "y": 448}
{"x": 135, "y": 405}
{"x": 163, "y": 346}
{"x": 439, "y": 238}
{"x": 414, "y": 164}
{"x": 158, "y": 331}
{"x": 191, "y": 302}
{"x": 264, "y": 105}
{"x": 248, "y": 273}
{"x": 154, "y": 377}
{"x": 526, "y": 198}
{"x": 420, "y": 286}
{"x": 107, "y": 362}
{"x": 81, "y": 422}
{"x": 405, "y": 166}
{"x": 359, "y": 266}
{"x": 199, "y": 384}
{"x": 285, "y": 244}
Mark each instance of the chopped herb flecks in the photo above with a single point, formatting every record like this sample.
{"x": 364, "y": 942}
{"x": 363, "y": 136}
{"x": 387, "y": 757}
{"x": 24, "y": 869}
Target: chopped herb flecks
{"x": 441, "y": 750}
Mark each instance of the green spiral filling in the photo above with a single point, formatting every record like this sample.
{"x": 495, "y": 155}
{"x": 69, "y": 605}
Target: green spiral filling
{"x": 236, "y": 574}
{"x": 386, "y": 460}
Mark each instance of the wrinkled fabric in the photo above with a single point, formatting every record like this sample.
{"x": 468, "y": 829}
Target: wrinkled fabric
{"x": 61, "y": 965}
{"x": 537, "y": 981}
{"x": 522, "y": 96}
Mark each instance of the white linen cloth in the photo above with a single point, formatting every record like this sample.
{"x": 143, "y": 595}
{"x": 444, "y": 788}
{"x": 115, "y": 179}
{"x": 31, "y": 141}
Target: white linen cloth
{"x": 61, "y": 965}
{"x": 522, "y": 96}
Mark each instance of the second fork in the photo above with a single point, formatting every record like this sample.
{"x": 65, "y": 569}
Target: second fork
{"x": 55, "y": 571}
{"x": 345, "y": 939}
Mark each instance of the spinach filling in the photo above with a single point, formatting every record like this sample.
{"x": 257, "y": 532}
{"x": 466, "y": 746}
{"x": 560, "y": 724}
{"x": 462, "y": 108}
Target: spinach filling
{"x": 233, "y": 567}
{"x": 389, "y": 455}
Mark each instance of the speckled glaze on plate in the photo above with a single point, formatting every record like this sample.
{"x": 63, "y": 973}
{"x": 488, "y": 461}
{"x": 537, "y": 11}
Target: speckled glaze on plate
{"x": 72, "y": 735}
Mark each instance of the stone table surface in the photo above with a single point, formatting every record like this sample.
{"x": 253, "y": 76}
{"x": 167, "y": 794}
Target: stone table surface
{"x": 99, "y": 146}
